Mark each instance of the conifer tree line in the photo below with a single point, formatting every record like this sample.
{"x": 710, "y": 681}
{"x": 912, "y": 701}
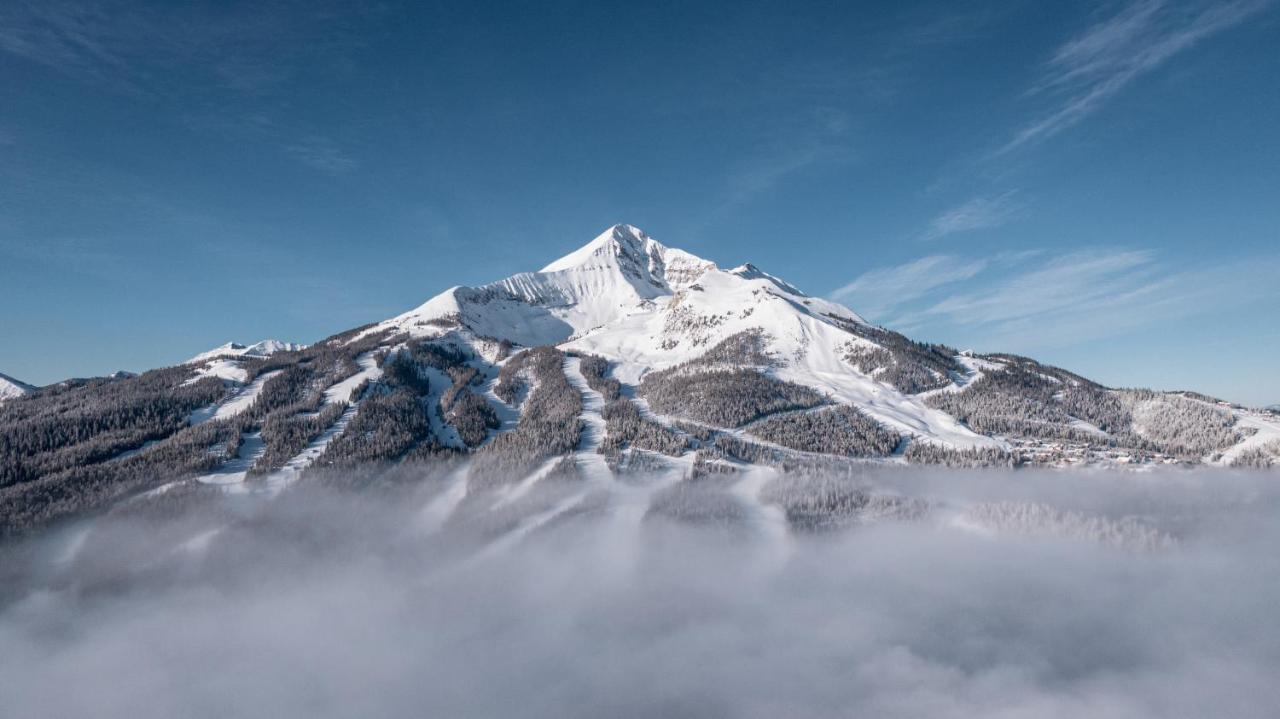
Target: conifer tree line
{"x": 393, "y": 418}
{"x": 919, "y": 452}
{"x": 512, "y": 381}
{"x": 626, "y": 428}
{"x": 842, "y": 430}
{"x": 64, "y": 449}
{"x": 1260, "y": 457}
{"x": 749, "y": 348}
{"x": 88, "y": 421}
{"x": 286, "y": 435}
{"x": 91, "y": 487}
{"x": 596, "y": 371}
{"x": 707, "y": 466}
{"x": 698, "y": 431}
{"x": 906, "y": 365}
{"x": 1026, "y": 399}
{"x": 390, "y": 422}
{"x": 549, "y": 423}
{"x": 469, "y": 413}
{"x": 728, "y": 446}
{"x": 723, "y": 386}
{"x": 725, "y": 398}
{"x": 70, "y": 448}
{"x": 826, "y": 501}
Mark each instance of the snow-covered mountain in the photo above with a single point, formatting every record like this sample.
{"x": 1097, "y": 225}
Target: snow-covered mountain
{"x": 644, "y": 306}
{"x": 624, "y": 357}
{"x": 265, "y": 348}
{"x": 10, "y": 388}
{"x": 226, "y": 361}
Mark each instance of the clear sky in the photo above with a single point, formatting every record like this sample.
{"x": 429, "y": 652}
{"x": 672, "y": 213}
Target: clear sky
{"x": 1093, "y": 184}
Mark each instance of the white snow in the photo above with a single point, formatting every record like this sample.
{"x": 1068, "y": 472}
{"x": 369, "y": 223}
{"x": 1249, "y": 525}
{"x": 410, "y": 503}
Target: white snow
{"x": 265, "y": 348}
{"x": 234, "y": 470}
{"x": 242, "y": 400}
{"x": 508, "y": 416}
{"x": 292, "y": 469}
{"x": 225, "y": 369}
{"x": 975, "y": 369}
{"x": 439, "y": 382}
{"x": 11, "y": 388}
{"x": 591, "y": 463}
{"x": 1267, "y": 430}
{"x": 1084, "y": 426}
{"x": 341, "y": 391}
{"x": 645, "y": 306}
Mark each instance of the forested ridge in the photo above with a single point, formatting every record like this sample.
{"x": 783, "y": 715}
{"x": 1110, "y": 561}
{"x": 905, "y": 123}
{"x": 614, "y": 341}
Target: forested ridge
{"x": 84, "y": 444}
{"x": 1026, "y": 399}
{"x": 79, "y": 445}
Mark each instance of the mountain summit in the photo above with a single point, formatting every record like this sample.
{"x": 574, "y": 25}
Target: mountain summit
{"x": 265, "y": 348}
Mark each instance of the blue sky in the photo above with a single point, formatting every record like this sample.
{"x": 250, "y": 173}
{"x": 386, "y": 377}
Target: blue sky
{"x": 1093, "y": 184}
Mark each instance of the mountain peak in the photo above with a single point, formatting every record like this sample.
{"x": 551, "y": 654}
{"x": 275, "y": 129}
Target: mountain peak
{"x": 618, "y": 241}
{"x": 265, "y": 348}
{"x": 647, "y": 264}
{"x": 10, "y": 387}
{"x": 751, "y": 272}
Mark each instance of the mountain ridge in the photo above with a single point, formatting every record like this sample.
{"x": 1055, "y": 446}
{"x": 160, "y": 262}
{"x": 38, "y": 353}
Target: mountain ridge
{"x": 262, "y": 348}
{"x": 625, "y": 356}
{"x": 644, "y": 307}
{"x": 11, "y": 388}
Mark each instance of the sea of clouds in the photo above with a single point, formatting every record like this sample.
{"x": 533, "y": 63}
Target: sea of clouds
{"x": 338, "y": 604}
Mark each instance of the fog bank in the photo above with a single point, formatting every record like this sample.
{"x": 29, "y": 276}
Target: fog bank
{"x": 1003, "y": 594}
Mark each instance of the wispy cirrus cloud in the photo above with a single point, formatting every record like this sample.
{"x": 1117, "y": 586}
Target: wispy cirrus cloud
{"x": 1091, "y": 68}
{"x": 979, "y": 213}
{"x": 817, "y": 137}
{"x": 1050, "y": 289}
{"x": 1040, "y": 299}
{"x": 134, "y": 46}
{"x": 240, "y": 58}
{"x": 78, "y": 255}
{"x": 74, "y": 38}
{"x": 879, "y": 291}
{"x": 322, "y": 154}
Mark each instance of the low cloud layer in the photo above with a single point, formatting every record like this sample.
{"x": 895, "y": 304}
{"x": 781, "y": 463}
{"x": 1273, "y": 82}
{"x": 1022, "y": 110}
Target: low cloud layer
{"x": 341, "y": 605}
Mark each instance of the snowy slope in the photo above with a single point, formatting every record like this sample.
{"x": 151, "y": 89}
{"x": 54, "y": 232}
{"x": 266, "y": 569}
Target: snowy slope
{"x": 224, "y": 361}
{"x": 11, "y": 388}
{"x": 645, "y": 306}
{"x": 265, "y": 348}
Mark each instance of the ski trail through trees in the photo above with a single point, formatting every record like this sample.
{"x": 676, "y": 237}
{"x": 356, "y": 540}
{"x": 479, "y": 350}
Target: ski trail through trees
{"x": 587, "y": 455}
